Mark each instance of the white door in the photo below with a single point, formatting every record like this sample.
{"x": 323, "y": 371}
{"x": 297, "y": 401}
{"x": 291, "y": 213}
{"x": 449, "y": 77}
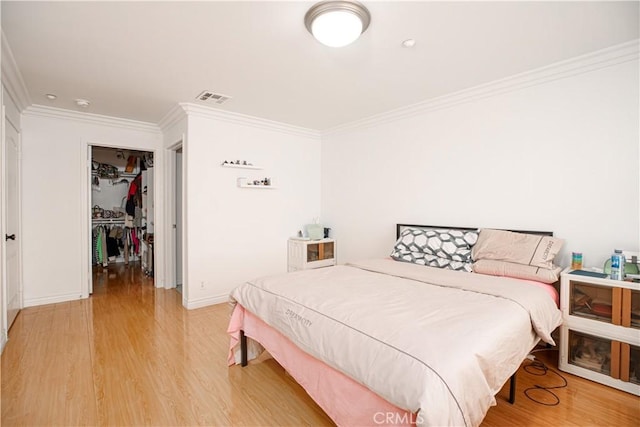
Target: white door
{"x": 12, "y": 238}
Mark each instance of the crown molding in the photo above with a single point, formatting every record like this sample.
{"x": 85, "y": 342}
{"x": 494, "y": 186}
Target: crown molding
{"x": 593, "y": 61}
{"x": 173, "y": 116}
{"x": 245, "y": 120}
{"x": 12, "y": 78}
{"x": 96, "y": 119}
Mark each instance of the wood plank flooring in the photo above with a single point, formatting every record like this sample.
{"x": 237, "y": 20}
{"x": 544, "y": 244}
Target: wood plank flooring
{"x": 132, "y": 355}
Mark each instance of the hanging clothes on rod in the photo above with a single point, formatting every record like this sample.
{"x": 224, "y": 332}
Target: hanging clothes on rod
{"x": 130, "y": 250}
{"x": 111, "y": 241}
{"x": 99, "y": 245}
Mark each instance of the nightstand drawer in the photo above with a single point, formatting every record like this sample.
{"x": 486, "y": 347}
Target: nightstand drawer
{"x": 594, "y": 353}
{"x": 610, "y": 304}
{"x": 607, "y": 361}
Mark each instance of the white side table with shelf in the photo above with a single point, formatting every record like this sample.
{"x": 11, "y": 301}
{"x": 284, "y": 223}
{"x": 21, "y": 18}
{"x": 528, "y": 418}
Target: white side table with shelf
{"x": 308, "y": 254}
{"x": 600, "y": 334}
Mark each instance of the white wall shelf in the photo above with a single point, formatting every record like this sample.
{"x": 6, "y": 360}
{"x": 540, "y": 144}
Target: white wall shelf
{"x": 230, "y": 165}
{"x": 121, "y": 175}
{"x": 258, "y": 187}
{"x": 108, "y": 220}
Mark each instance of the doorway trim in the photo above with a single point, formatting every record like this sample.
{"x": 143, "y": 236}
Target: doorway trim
{"x": 171, "y": 205}
{"x": 85, "y": 223}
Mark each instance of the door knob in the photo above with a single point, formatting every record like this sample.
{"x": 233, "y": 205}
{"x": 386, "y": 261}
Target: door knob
{"x": 9, "y": 237}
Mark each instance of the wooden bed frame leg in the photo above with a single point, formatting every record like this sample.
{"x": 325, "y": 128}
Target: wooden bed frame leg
{"x": 512, "y": 389}
{"x": 243, "y": 349}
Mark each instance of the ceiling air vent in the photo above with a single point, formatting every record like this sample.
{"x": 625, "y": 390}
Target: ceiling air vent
{"x": 209, "y": 96}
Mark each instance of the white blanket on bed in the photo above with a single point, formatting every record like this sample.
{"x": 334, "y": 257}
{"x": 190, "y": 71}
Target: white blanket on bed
{"x": 442, "y": 351}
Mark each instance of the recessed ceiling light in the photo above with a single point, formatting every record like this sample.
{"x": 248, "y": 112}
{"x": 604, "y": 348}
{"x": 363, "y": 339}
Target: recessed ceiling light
{"x": 82, "y": 103}
{"x": 51, "y": 96}
{"x": 409, "y": 43}
{"x": 337, "y": 23}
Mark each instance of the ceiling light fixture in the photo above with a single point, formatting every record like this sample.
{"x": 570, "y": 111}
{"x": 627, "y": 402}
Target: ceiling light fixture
{"x": 82, "y": 103}
{"x": 50, "y": 96}
{"x": 409, "y": 43}
{"x": 337, "y": 23}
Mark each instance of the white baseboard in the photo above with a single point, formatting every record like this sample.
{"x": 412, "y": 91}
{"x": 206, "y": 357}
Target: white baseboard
{"x": 204, "y": 302}
{"x": 32, "y": 302}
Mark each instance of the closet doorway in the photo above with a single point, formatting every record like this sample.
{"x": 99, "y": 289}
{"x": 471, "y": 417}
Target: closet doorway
{"x": 121, "y": 212}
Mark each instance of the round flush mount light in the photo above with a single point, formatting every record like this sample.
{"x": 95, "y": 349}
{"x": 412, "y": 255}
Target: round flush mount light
{"x": 337, "y": 23}
{"x": 51, "y": 96}
{"x": 82, "y": 103}
{"x": 409, "y": 43}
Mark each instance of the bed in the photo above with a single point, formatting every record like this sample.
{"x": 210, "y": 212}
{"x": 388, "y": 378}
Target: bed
{"x": 383, "y": 341}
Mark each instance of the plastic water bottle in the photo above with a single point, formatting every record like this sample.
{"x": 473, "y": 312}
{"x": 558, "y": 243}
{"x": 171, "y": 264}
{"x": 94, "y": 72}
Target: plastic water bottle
{"x": 617, "y": 265}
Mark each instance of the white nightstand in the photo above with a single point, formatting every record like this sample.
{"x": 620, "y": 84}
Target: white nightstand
{"x": 307, "y": 254}
{"x": 600, "y": 334}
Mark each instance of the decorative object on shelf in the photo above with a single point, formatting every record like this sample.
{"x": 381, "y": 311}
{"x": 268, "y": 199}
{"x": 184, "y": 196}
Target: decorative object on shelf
{"x": 315, "y": 231}
{"x": 240, "y": 164}
{"x": 630, "y": 268}
{"x": 576, "y": 260}
{"x": 237, "y": 163}
{"x": 97, "y": 212}
{"x": 265, "y": 183}
{"x": 617, "y": 265}
{"x": 243, "y": 182}
{"x": 104, "y": 170}
{"x": 131, "y": 164}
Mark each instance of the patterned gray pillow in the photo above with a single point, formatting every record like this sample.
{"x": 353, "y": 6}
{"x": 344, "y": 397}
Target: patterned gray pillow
{"x": 451, "y": 244}
{"x": 422, "y": 258}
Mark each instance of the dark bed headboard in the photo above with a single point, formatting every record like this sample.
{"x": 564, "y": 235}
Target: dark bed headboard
{"x": 400, "y": 227}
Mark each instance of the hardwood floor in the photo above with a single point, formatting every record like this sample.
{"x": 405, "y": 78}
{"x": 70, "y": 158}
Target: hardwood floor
{"x": 131, "y": 355}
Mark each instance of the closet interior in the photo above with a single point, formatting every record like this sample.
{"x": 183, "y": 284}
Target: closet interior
{"x": 122, "y": 208}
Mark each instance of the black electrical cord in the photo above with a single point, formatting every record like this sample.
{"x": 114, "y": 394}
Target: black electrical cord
{"x": 538, "y": 368}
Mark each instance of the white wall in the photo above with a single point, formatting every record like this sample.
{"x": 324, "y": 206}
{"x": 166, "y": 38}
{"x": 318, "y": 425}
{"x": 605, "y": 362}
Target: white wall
{"x": 560, "y": 156}
{"x": 53, "y": 151}
{"x": 234, "y": 234}
{"x": 109, "y": 196}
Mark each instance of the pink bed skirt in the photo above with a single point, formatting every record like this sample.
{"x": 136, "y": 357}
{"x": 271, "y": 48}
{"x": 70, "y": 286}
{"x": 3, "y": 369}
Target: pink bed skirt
{"x": 345, "y": 401}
